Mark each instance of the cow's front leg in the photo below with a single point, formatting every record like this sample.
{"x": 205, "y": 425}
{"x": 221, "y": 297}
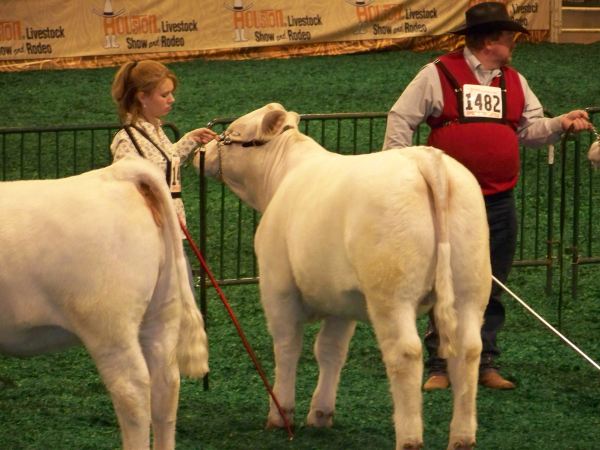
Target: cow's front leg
{"x": 287, "y": 346}
{"x": 282, "y": 304}
{"x": 285, "y": 319}
{"x": 331, "y": 349}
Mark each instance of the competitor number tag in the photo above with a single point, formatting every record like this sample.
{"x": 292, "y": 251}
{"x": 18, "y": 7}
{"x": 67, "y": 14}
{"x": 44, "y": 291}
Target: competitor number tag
{"x": 175, "y": 175}
{"x": 482, "y": 101}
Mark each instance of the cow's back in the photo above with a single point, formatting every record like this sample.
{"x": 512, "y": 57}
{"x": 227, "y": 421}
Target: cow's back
{"x": 345, "y": 223}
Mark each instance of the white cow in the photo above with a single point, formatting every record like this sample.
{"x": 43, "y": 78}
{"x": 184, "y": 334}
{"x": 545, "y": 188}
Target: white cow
{"x": 368, "y": 237}
{"x": 97, "y": 259}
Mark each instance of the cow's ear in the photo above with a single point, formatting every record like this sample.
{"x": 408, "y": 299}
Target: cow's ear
{"x": 293, "y": 118}
{"x": 272, "y": 123}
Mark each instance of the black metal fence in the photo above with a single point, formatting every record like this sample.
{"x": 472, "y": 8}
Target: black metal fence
{"x": 557, "y": 194}
{"x": 58, "y": 151}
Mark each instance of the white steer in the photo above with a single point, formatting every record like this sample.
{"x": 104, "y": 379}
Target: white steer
{"x": 97, "y": 259}
{"x": 379, "y": 237}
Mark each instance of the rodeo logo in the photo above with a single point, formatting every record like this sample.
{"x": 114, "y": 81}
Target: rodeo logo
{"x": 110, "y": 38}
{"x": 238, "y": 8}
{"x": 362, "y": 21}
{"x": 244, "y": 17}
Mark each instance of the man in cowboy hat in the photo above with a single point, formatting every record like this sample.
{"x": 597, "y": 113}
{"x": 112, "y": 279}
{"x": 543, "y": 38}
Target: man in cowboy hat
{"x": 480, "y": 110}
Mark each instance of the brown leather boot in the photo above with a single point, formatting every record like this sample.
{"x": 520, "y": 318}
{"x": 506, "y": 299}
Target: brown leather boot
{"x": 492, "y": 379}
{"x": 436, "y": 381}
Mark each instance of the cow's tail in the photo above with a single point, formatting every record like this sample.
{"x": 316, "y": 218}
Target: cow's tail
{"x": 434, "y": 171}
{"x": 192, "y": 345}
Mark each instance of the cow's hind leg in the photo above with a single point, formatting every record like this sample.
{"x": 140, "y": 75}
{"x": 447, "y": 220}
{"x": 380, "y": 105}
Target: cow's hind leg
{"x": 123, "y": 369}
{"x": 331, "y": 349}
{"x": 394, "y": 322}
{"x": 463, "y": 369}
{"x": 472, "y": 288}
{"x": 159, "y": 342}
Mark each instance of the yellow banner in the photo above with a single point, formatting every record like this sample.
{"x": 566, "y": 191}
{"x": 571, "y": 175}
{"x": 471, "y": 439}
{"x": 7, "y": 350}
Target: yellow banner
{"x": 33, "y": 30}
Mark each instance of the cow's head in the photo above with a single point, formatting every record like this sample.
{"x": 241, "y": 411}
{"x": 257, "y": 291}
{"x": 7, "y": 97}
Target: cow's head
{"x": 243, "y": 150}
{"x": 260, "y": 126}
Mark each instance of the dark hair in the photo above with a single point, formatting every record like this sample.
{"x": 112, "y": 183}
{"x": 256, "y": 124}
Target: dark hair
{"x": 476, "y": 40}
{"x": 134, "y": 77}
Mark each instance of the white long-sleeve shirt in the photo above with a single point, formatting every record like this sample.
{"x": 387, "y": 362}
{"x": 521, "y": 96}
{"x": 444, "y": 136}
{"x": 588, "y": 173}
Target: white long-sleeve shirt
{"x": 423, "y": 98}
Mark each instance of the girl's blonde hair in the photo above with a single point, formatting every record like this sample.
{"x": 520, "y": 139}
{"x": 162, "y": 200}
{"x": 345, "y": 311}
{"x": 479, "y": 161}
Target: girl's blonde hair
{"x": 134, "y": 77}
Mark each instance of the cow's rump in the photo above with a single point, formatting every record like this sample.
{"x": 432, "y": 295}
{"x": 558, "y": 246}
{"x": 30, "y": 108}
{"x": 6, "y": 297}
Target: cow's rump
{"x": 97, "y": 258}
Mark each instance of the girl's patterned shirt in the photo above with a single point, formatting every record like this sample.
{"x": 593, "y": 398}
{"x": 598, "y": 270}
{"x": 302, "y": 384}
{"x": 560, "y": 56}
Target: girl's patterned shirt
{"x": 123, "y": 147}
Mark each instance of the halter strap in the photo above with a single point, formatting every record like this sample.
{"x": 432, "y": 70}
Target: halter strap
{"x": 137, "y": 146}
{"x": 225, "y": 139}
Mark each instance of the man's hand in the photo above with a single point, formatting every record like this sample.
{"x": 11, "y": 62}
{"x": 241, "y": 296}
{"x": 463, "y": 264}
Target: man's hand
{"x": 579, "y": 119}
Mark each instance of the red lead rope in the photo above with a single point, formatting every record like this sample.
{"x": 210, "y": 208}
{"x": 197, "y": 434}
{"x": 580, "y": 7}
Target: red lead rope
{"x": 247, "y": 346}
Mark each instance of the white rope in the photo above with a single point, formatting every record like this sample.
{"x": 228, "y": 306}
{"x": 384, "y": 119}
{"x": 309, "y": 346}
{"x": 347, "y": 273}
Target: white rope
{"x": 541, "y": 319}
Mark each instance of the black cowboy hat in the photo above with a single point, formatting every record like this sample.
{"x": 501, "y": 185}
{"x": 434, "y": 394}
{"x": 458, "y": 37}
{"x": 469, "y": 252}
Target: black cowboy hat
{"x": 489, "y": 16}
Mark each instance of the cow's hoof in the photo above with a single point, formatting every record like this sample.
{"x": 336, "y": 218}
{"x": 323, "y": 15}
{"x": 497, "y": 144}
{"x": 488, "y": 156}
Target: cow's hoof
{"x": 274, "y": 420}
{"x": 412, "y": 446}
{"x": 462, "y": 445}
{"x": 319, "y": 419}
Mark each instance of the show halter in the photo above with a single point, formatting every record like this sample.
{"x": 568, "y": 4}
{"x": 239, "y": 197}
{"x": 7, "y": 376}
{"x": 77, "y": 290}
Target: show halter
{"x": 596, "y": 133}
{"x": 225, "y": 139}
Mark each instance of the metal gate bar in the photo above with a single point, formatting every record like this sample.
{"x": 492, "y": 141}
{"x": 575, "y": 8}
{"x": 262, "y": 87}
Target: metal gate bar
{"x": 226, "y": 235}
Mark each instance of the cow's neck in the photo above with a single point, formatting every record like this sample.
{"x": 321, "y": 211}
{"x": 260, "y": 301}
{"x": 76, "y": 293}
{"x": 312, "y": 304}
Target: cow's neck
{"x": 275, "y": 161}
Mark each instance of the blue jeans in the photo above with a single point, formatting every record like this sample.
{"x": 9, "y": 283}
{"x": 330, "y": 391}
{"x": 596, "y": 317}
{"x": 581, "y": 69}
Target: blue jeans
{"x": 502, "y": 220}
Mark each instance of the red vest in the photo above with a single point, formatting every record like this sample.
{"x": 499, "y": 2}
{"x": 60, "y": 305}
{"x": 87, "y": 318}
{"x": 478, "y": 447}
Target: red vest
{"x": 489, "y": 148}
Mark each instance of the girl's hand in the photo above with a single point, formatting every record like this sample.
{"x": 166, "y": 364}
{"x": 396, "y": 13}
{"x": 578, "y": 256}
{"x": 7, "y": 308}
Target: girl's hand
{"x": 203, "y": 135}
